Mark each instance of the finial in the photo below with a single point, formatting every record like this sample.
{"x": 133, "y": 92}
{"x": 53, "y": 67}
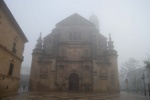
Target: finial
{"x": 40, "y": 37}
{"x": 109, "y": 37}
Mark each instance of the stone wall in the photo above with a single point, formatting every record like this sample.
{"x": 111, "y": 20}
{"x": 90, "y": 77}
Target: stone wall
{"x": 11, "y": 50}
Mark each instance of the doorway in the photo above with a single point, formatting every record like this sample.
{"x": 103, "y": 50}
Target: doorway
{"x": 74, "y": 82}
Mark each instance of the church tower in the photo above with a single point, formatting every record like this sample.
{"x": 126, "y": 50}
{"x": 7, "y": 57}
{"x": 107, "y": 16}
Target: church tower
{"x": 37, "y": 53}
{"x": 95, "y": 21}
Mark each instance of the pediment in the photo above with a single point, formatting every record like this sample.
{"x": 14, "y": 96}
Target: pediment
{"x": 75, "y": 20}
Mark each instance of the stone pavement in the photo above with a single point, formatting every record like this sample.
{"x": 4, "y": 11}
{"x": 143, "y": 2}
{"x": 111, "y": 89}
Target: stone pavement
{"x": 132, "y": 96}
{"x": 77, "y": 96}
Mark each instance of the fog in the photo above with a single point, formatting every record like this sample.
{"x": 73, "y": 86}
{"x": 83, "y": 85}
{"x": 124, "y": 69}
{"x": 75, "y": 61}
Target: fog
{"x": 128, "y": 21}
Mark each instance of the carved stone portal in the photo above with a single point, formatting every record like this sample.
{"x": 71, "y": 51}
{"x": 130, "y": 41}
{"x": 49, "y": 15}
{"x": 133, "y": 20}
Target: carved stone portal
{"x": 74, "y": 82}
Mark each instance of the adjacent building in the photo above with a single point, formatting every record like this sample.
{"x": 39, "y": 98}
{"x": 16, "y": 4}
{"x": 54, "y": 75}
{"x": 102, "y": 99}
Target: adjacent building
{"x": 12, "y": 41}
{"x": 74, "y": 57}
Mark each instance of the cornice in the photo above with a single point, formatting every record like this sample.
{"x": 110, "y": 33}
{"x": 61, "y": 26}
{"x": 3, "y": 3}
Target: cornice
{"x": 10, "y": 53}
{"x": 4, "y": 7}
{"x": 6, "y": 76}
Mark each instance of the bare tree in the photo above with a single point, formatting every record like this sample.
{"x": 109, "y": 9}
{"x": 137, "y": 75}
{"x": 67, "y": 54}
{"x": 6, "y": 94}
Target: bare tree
{"x": 147, "y": 62}
{"x": 128, "y": 66}
{"x": 130, "y": 71}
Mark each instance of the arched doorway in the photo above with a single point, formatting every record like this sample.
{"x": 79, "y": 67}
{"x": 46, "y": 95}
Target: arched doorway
{"x": 74, "y": 82}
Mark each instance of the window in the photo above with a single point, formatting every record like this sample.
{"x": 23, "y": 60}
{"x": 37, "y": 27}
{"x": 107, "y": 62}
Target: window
{"x": 11, "y": 67}
{"x": 7, "y": 87}
{"x": 14, "y": 48}
{"x": 74, "y": 36}
{"x": 14, "y": 45}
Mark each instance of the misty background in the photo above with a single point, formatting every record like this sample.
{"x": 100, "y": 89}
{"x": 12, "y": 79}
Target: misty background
{"x": 128, "y": 21}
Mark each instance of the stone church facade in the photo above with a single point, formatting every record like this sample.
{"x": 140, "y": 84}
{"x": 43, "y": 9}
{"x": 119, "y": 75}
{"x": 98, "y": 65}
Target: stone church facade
{"x": 74, "y": 57}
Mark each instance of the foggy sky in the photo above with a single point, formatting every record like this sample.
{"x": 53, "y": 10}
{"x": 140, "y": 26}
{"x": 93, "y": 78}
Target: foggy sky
{"x": 128, "y": 21}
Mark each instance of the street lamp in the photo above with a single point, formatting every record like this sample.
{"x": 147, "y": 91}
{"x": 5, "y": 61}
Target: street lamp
{"x": 143, "y": 78}
{"x": 149, "y": 89}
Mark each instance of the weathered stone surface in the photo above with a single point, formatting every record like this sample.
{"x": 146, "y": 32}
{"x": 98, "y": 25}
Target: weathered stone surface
{"x": 12, "y": 42}
{"x": 74, "y": 57}
{"x": 78, "y": 96}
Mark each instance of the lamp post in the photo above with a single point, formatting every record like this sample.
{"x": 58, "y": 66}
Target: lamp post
{"x": 143, "y": 78}
{"x": 149, "y": 89}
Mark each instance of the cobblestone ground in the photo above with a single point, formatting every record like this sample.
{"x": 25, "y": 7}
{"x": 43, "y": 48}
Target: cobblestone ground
{"x": 77, "y": 96}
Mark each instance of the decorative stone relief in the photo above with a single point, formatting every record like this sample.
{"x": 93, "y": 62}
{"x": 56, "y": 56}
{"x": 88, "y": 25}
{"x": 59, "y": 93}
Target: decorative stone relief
{"x": 43, "y": 72}
{"x": 74, "y": 51}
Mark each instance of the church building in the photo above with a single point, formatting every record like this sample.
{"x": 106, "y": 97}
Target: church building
{"x": 74, "y": 57}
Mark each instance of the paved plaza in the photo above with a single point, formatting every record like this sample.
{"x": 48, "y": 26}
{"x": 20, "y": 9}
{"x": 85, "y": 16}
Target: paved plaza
{"x": 77, "y": 96}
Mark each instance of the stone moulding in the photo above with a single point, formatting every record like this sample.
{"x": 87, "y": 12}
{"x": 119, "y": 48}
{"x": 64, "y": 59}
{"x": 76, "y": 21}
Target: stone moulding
{"x": 9, "y": 52}
{"x": 6, "y": 76}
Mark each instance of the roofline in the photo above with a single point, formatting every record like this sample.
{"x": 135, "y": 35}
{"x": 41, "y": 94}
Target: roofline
{"x": 12, "y": 19}
{"x": 72, "y": 15}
